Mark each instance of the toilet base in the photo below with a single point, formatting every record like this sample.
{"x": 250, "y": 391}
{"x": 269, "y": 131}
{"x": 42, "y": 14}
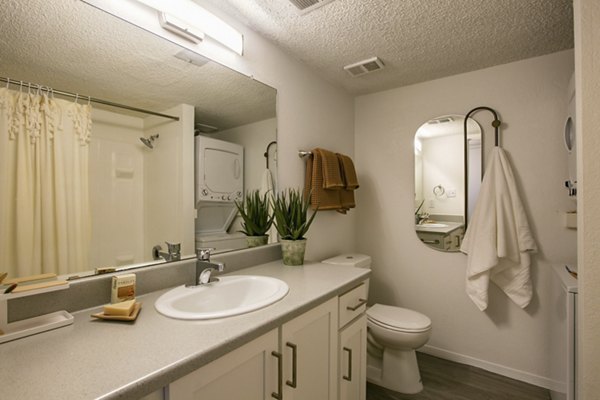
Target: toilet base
{"x": 397, "y": 371}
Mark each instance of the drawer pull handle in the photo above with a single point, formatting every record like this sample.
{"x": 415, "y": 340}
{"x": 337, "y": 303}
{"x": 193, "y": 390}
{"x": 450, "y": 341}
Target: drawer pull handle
{"x": 361, "y": 302}
{"x": 349, "y": 376}
{"x": 279, "y": 357}
{"x": 430, "y": 241}
{"x": 294, "y": 382}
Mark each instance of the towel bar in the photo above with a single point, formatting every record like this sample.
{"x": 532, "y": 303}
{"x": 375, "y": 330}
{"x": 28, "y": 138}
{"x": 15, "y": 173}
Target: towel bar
{"x": 304, "y": 153}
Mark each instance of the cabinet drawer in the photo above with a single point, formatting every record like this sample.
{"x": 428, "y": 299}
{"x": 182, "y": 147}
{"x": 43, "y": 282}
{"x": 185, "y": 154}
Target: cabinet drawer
{"x": 353, "y": 303}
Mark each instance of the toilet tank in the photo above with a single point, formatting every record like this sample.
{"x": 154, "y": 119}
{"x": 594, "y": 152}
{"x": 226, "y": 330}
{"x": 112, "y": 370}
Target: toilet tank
{"x": 351, "y": 260}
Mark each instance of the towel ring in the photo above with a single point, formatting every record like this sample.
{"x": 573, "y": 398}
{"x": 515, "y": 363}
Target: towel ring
{"x": 439, "y": 191}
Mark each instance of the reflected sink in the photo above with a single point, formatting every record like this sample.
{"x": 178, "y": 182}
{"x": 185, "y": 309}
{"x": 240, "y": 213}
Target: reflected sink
{"x": 433, "y": 225}
{"x": 230, "y": 295}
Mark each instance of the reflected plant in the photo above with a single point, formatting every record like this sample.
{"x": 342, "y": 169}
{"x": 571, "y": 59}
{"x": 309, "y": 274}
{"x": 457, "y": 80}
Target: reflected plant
{"x": 254, "y": 210}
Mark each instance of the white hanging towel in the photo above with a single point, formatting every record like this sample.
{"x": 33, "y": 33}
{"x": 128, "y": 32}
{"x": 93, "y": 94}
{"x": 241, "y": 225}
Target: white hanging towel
{"x": 498, "y": 241}
{"x": 266, "y": 187}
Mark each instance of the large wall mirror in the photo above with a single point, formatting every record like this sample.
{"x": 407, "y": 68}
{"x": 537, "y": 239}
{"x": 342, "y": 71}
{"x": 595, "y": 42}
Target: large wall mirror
{"x": 439, "y": 207}
{"x": 127, "y": 184}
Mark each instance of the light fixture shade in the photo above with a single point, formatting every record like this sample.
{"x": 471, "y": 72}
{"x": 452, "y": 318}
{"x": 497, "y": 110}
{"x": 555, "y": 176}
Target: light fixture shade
{"x": 199, "y": 18}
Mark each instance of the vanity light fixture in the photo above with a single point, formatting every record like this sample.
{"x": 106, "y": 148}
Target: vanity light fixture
{"x": 180, "y": 28}
{"x": 188, "y": 19}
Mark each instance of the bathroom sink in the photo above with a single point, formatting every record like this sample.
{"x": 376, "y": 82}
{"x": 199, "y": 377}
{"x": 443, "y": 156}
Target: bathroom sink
{"x": 433, "y": 225}
{"x": 230, "y": 295}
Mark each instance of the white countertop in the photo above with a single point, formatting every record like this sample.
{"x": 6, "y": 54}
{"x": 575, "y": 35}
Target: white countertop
{"x": 568, "y": 282}
{"x": 105, "y": 359}
{"x": 443, "y": 230}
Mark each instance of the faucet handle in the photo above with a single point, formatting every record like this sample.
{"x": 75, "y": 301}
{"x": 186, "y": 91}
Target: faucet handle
{"x": 173, "y": 248}
{"x": 203, "y": 253}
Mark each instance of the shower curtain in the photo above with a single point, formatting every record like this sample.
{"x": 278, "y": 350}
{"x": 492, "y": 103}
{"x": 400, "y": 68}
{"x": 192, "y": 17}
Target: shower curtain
{"x": 45, "y": 223}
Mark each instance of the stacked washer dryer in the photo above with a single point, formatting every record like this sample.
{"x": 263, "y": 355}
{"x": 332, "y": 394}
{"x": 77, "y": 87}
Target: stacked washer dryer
{"x": 219, "y": 182}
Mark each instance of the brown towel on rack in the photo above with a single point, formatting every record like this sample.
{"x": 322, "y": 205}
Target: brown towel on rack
{"x": 350, "y": 182}
{"x": 348, "y": 172}
{"x": 332, "y": 177}
{"x": 341, "y": 198}
{"x": 323, "y": 199}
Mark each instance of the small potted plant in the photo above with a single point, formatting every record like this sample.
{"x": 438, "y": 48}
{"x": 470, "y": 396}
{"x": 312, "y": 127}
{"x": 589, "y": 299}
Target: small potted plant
{"x": 254, "y": 210}
{"x": 292, "y": 222}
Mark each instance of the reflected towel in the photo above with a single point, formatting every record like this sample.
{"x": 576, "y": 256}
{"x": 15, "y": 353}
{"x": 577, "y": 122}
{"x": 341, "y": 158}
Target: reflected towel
{"x": 266, "y": 188}
{"x": 498, "y": 240}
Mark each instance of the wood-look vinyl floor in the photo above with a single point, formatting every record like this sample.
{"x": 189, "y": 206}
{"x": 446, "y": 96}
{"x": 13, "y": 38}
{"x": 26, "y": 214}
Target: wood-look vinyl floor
{"x": 447, "y": 380}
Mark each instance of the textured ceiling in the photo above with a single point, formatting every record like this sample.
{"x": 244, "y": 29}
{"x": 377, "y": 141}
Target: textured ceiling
{"x": 418, "y": 40}
{"x": 71, "y": 46}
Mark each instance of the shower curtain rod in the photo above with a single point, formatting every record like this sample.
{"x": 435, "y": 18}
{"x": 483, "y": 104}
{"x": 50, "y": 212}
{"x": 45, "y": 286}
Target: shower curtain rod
{"x": 34, "y": 86}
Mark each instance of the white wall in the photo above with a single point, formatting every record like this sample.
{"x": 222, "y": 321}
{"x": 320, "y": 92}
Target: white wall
{"x": 587, "y": 83}
{"x": 443, "y": 165}
{"x": 530, "y": 97}
{"x": 116, "y": 199}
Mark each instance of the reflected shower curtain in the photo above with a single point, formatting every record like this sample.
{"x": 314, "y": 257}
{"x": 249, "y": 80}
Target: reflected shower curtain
{"x": 45, "y": 223}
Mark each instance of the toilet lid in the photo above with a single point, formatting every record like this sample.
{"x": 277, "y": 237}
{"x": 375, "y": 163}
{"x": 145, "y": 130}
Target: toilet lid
{"x": 400, "y": 319}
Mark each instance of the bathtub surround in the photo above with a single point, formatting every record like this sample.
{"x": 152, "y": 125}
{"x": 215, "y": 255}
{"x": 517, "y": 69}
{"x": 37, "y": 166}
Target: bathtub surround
{"x": 532, "y": 95}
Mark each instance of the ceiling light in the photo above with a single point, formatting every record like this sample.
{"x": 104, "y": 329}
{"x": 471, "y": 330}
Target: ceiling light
{"x": 187, "y": 16}
{"x": 180, "y": 28}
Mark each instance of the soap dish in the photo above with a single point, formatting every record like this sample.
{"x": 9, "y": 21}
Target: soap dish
{"x": 136, "y": 310}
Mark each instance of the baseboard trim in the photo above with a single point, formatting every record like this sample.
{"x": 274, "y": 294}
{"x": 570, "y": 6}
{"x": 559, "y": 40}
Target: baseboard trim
{"x": 496, "y": 368}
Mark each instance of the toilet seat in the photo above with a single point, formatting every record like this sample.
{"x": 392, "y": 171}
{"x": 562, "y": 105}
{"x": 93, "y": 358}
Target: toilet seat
{"x": 398, "y": 319}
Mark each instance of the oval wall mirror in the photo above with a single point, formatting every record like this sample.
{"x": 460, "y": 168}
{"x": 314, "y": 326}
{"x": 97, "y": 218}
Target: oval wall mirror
{"x": 439, "y": 208}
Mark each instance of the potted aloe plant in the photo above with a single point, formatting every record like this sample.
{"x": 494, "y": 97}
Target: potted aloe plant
{"x": 292, "y": 222}
{"x": 254, "y": 210}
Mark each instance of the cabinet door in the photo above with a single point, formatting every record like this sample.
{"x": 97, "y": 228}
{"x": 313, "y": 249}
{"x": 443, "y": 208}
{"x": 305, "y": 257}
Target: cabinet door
{"x": 309, "y": 347}
{"x": 353, "y": 360}
{"x": 249, "y": 373}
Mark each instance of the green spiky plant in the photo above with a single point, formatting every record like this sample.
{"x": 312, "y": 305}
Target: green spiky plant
{"x": 290, "y": 211}
{"x": 254, "y": 210}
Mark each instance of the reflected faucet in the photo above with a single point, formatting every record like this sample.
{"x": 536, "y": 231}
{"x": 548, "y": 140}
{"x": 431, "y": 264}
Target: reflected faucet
{"x": 173, "y": 252}
{"x": 204, "y": 268}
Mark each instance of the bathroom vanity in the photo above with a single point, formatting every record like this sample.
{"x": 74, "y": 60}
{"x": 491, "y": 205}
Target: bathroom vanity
{"x": 443, "y": 236}
{"x": 309, "y": 345}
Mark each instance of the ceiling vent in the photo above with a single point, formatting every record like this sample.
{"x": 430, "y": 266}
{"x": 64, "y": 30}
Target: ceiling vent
{"x": 365, "y": 66}
{"x": 306, "y": 6}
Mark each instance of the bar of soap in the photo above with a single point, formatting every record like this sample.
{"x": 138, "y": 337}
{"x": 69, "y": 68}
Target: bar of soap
{"x": 123, "y": 308}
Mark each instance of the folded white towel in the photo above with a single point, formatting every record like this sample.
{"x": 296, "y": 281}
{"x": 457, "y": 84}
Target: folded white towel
{"x": 266, "y": 187}
{"x": 498, "y": 239}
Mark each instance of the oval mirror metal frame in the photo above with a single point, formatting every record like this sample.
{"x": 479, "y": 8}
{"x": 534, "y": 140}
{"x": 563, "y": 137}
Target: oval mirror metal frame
{"x": 439, "y": 207}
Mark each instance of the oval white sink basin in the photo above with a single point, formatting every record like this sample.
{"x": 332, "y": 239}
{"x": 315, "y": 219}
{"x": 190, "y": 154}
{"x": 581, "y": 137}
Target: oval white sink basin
{"x": 231, "y": 295}
{"x": 433, "y": 226}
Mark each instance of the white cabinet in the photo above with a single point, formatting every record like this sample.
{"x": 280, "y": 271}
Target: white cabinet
{"x": 352, "y": 353}
{"x": 248, "y": 373}
{"x": 309, "y": 348}
{"x": 307, "y": 358}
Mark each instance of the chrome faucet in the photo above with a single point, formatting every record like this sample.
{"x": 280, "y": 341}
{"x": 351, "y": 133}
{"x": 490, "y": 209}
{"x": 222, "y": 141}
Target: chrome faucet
{"x": 173, "y": 252}
{"x": 204, "y": 267}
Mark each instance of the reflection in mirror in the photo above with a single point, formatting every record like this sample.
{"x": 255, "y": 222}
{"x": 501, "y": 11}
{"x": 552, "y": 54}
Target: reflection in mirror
{"x": 439, "y": 179}
{"x": 136, "y": 169}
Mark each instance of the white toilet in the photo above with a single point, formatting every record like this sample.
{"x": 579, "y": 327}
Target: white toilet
{"x": 394, "y": 335}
